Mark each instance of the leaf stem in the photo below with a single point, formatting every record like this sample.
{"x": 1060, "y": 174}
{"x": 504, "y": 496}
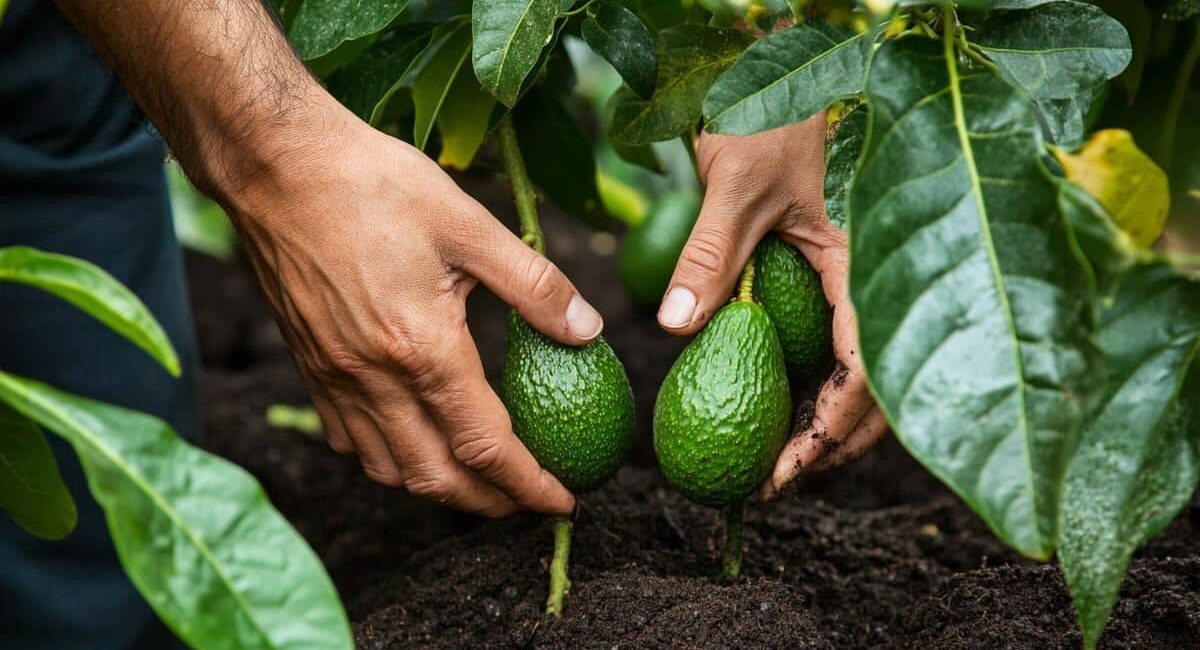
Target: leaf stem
{"x": 1166, "y": 140}
{"x": 690, "y": 139}
{"x": 522, "y": 187}
{"x": 746, "y": 284}
{"x": 559, "y": 582}
{"x": 731, "y": 553}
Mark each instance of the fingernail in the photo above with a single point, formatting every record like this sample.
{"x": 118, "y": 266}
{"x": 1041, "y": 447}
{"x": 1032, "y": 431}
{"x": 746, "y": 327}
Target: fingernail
{"x": 677, "y": 308}
{"x": 583, "y": 320}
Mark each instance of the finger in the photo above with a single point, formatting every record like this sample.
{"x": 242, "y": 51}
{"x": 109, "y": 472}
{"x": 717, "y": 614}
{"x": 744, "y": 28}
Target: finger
{"x": 532, "y": 284}
{"x": 331, "y": 420}
{"x": 868, "y": 432}
{"x": 719, "y": 247}
{"x": 429, "y": 471}
{"x": 374, "y": 454}
{"x": 842, "y": 403}
{"x": 456, "y": 393}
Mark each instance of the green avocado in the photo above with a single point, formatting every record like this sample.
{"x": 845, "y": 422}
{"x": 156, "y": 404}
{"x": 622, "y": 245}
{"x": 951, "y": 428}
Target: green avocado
{"x": 724, "y": 410}
{"x": 572, "y": 407}
{"x": 790, "y": 291}
{"x": 651, "y": 250}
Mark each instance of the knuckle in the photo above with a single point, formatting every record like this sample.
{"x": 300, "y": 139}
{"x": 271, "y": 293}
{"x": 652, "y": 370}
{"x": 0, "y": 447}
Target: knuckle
{"x": 340, "y": 444}
{"x": 479, "y": 452}
{"x": 707, "y": 252}
{"x": 431, "y": 487}
{"x": 399, "y": 349}
{"x": 541, "y": 276}
{"x": 383, "y": 474}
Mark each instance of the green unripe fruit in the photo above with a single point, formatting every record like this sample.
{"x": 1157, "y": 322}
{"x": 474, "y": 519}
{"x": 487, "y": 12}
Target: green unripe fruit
{"x": 790, "y": 291}
{"x": 723, "y": 411}
{"x": 651, "y": 250}
{"x": 572, "y": 407}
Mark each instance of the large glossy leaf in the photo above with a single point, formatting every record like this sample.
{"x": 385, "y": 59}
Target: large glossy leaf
{"x": 509, "y": 38}
{"x": 972, "y": 305}
{"x": 93, "y": 290}
{"x": 840, "y": 163}
{"x": 788, "y": 77}
{"x": 367, "y": 83}
{"x": 450, "y": 50}
{"x": 1060, "y": 53}
{"x": 195, "y": 533}
{"x": 1137, "y": 462}
{"x": 618, "y": 35}
{"x": 1056, "y": 50}
{"x": 31, "y": 489}
{"x": 558, "y": 156}
{"x": 690, "y": 58}
{"x": 320, "y": 26}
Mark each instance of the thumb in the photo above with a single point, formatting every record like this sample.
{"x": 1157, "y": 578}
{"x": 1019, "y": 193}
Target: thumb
{"x": 717, "y": 250}
{"x": 535, "y": 287}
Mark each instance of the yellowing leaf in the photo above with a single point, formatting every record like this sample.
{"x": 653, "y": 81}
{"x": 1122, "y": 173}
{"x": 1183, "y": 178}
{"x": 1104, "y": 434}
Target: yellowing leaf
{"x": 1124, "y": 180}
{"x": 463, "y": 120}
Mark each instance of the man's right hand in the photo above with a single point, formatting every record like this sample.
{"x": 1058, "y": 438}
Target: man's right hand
{"x": 366, "y": 251}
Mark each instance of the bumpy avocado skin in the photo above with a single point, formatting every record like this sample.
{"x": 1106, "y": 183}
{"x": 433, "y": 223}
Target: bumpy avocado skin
{"x": 650, "y": 252}
{"x": 571, "y": 407}
{"x": 789, "y": 289}
{"x": 723, "y": 411}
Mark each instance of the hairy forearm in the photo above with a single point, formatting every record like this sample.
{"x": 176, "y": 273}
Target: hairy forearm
{"x": 216, "y": 77}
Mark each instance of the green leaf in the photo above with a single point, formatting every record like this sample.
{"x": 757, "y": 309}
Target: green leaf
{"x": 972, "y": 305}
{"x": 195, "y": 533}
{"x": 320, "y": 26}
{"x": 509, "y": 38}
{"x": 690, "y": 58}
{"x": 464, "y": 120}
{"x": 1138, "y": 458}
{"x": 367, "y": 83}
{"x": 1182, "y": 9}
{"x": 93, "y": 290}
{"x": 840, "y": 163}
{"x": 618, "y": 35}
{"x": 1065, "y": 121}
{"x": 1056, "y": 50}
{"x": 31, "y": 489}
{"x": 657, "y": 14}
{"x": 558, "y": 156}
{"x": 450, "y": 49}
{"x": 788, "y": 77}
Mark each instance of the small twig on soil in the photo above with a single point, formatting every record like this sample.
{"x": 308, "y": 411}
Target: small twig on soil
{"x": 522, "y": 187}
{"x": 559, "y": 583}
{"x": 731, "y": 554}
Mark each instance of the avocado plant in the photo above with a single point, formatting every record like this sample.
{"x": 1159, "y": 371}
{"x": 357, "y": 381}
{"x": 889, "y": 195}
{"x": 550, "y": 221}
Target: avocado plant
{"x": 1025, "y": 344}
{"x": 195, "y": 533}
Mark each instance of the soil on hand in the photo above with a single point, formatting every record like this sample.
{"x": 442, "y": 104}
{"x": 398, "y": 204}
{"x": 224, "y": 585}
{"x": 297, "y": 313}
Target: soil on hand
{"x": 877, "y": 555}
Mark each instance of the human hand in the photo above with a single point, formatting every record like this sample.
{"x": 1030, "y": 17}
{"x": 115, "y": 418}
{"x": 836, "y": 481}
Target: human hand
{"x": 366, "y": 251}
{"x": 773, "y": 181}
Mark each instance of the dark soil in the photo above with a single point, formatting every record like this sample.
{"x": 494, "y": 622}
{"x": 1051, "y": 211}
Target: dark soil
{"x": 877, "y": 555}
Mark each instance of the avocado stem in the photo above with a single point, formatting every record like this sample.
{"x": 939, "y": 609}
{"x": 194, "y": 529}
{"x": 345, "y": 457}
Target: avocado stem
{"x": 731, "y": 554}
{"x": 746, "y": 284}
{"x": 522, "y": 188}
{"x": 559, "y": 583}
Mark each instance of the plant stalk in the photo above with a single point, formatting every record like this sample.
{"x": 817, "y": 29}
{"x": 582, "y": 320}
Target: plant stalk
{"x": 559, "y": 582}
{"x": 746, "y": 284}
{"x": 1166, "y": 140}
{"x": 690, "y": 139}
{"x": 522, "y": 187}
{"x": 731, "y": 553}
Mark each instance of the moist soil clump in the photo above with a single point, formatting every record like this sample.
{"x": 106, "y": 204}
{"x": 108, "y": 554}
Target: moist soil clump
{"x": 876, "y": 555}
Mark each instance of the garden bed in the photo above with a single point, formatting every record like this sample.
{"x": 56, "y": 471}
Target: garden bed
{"x": 877, "y": 555}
